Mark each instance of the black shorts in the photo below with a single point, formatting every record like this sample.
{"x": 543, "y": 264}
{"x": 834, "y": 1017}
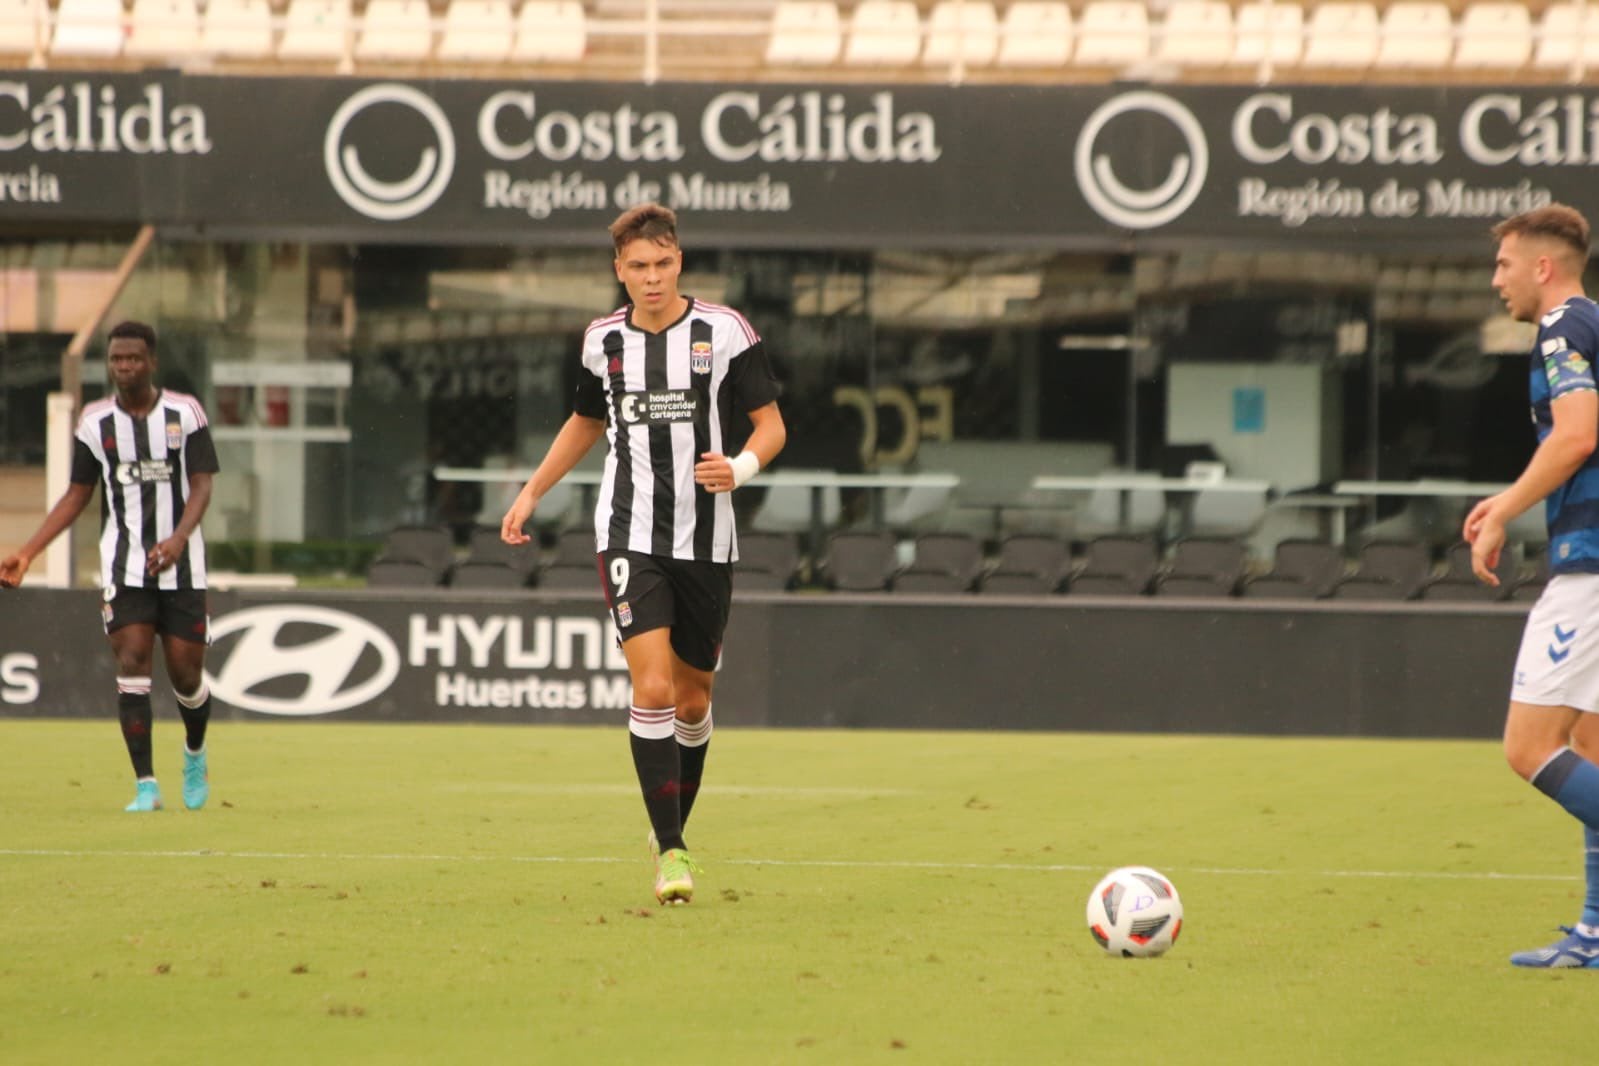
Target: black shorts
{"x": 177, "y": 613}
{"x": 691, "y": 599}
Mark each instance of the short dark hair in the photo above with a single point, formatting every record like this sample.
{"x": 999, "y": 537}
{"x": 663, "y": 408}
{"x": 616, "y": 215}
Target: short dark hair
{"x": 133, "y": 331}
{"x": 651, "y": 222}
{"x": 1555, "y": 222}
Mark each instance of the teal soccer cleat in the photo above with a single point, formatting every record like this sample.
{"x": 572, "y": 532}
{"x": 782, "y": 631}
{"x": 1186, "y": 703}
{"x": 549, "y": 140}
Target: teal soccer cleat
{"x": 1573, "y": 952}
{"x": 147, "y": 798}
{"x": 196, "y": 779}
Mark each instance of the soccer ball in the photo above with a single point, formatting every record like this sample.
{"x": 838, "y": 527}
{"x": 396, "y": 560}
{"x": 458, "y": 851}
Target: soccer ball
{"x": 1135, "y": 912}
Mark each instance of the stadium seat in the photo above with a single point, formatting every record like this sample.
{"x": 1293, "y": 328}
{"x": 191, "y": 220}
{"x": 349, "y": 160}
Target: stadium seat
{"x": 1568, "y": 37}
{"x": 804, "y": 32}
{"x": 485, "y": 548}
{"x": 1112, "y": 33}
{"x": 1416, "y": 34}
{"x": 1210, "y": 557}
{"x": 1191, "y": 586}
{"x": 316, "y": 29}
{"x": 1047, "y": 558}
{"x": 860, "y": 562}
{"x": 1035, "y": 33}
{"x": 553, "y": 31}
{"x": 488, "y": 575}
{"x": 884, "y": 33}
{"x": 1117, "y": 566}
{"x": 402, "y": 573}
{"x": 1341, "y": 35}
{"x": 766, "y": 560}
{"x": 1196, "y": 33}
{"x": 24, "y": 27}
{"x": 1527, "y": 589}
{"x": 1494, "y": 36}
{"x": 428, "y": 545}
{"x": 561, "y": 577}
{"x": 1007, "y": 583}
{"x": 237, "y": 29}
{"x": 573, "y": 547}
{"x": 968, "y": 29}
{"x": 944, "y": 562}
{"x": 89, "y": 28}
{"x": 479, "y": 31}
{"x": 1268, "y": 33}
{"x": 1387, "y": 569}
{"x": 163, "y": 29}
{"x": 399, "y": 30}
{"x": 1277, "y": 587}
{"x": 1462, "y": 590}
{"x": 1313, "y": 564}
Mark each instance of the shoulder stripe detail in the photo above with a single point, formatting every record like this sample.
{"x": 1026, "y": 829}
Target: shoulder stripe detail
{"x": 750, "y": 335}
{"x": 192, "y": 404}
{"x": 608, "y": 320}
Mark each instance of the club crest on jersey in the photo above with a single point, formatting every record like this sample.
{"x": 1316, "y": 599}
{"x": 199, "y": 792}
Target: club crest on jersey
{"x": 699, "y": 357}
{"x": 624, "y": 614}
{"x": 174, "y": 437}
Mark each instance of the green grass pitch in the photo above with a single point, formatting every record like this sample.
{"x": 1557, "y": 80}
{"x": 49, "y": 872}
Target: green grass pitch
{"x": 443, "y": 894}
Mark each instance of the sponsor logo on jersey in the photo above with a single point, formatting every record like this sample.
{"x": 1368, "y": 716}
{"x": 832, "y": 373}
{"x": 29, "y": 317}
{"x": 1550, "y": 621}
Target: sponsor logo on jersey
{"x": 144, "y": 470}
{"x": 658, "y": 406}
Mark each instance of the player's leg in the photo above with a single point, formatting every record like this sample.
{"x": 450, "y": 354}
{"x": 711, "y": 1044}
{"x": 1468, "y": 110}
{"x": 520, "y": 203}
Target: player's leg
{"x": 652, "y": 738}
{"x": 1585, "y": 742}
{"x": 1557, "y": 672}
{"x": 184, "y": 628}
{"x": 704, "y": 596}
{"x": 130, "y": 626}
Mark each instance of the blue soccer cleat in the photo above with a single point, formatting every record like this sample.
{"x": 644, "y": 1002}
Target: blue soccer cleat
{"x": 147, "y": 798}
{"x": 196, "y": 780}
{"x": 1573, "y": 952}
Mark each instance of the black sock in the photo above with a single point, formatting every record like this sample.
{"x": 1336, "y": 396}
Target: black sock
{"x": 692, "y": 763}
{"x": 655, "y": 760}
{"x": 196, "y": 718}
{"x": 133, "y": 709}
{"x": 693, "y": 740}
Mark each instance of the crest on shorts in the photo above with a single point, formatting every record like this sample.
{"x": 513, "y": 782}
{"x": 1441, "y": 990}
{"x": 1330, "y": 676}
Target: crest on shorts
{"x": 624, "y": 614}
{"x": 699, "y": 357}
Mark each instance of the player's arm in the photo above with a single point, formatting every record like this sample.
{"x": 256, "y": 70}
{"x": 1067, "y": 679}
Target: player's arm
{"x": 718, "y": 473}
{"x": 167, "y": 552}
{"x": 570, "y": 445}
{"x": 755, "y": 390}
{"x": 61, "y": 516}
{"x": 1570, "y": 442}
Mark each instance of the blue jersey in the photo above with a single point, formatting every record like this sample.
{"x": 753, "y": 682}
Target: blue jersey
{"x": 1562, "y": 363}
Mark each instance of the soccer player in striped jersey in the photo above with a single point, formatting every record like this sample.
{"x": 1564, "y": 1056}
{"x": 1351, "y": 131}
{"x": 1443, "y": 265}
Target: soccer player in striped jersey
{"x": 1552, "y": 728}
{"x": 150, "y": 451}
{"x": 661, "y": 381}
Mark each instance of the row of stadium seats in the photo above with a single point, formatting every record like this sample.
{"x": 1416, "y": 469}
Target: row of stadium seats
{"x": 1113, "y": 34}
{"x": 1022, "y": 564}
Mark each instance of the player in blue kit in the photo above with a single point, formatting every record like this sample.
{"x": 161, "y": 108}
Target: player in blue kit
{"x": 1552, "y": 729}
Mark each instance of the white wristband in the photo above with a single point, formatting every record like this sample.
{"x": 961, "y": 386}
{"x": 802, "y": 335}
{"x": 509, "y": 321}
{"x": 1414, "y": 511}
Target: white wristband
{"x": 745, "y": 466}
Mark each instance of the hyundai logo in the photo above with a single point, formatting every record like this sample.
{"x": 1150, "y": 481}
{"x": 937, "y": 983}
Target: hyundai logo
{"x": 326, "y": 665}
{"x": 1141, "y": 208}
{"x": 389, "y": 201}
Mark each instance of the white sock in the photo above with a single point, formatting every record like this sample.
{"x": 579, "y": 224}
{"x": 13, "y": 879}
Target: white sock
{"x": 1584, "y": 929}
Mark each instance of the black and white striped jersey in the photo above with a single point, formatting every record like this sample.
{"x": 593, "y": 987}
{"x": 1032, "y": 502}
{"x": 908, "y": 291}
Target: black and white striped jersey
{"x": 143, "y": 467}
{"x": 667, "y": 398}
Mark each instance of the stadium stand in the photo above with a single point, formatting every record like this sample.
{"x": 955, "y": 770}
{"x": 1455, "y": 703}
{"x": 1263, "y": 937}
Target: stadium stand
{"x": 1301, "y": 569}
{"x": 477, "y": 31}
{"x": 804, "y": 32}
{"x": 965, "y": 32}
{"x": 1387, "y": 570}
{"x": 766, "y": 562}
{"x": 1203, "y": 566}
{"x": 1494, "y": 36}
{"x": 236, "y": 29}
{"x": 1113, "y": 33}
{"x": 860, "y": 561}
{"x": 316, "y": 30}
{"x": 492, "y": 563}
{"x": 88, "y": 29}
{"x": 1115, "y": 566}
{"x": 944, "y": 562}
{"x": 163, "y": 29}
{"x": 1416, "y": 35}
{"x": 1035, "y": 33}
{"x": 395, "y": 29}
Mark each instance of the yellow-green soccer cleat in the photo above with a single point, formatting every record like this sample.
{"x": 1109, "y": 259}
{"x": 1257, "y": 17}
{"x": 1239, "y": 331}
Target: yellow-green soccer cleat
{"x": 674, "y": 876}
{"x": 147, "y": 798}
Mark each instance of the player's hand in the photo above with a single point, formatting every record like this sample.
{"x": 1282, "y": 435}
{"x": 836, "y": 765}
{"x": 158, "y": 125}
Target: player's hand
{"x": 715, "y": 472}
{"x": 1487, "y": 541}
{"x": 1474, "y": 520}
{"x": 164, "y": 555}
{"x": 521, "y": 510}
{"x": 12, "y": 567}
